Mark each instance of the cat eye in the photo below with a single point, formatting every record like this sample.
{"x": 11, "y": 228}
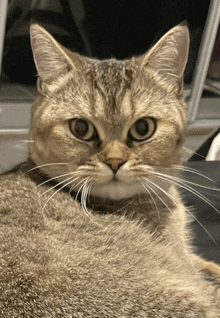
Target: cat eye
{"x": 142, "y": 129}
{"x": 83, "y": 129}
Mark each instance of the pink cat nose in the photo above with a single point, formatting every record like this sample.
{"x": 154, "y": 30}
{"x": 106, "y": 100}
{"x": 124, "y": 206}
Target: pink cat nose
{"x": 115, "y": 163}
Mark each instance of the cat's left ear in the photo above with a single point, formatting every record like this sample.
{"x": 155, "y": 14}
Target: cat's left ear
{"x": 169, "y": 55}
{"x": 52, "y": 60}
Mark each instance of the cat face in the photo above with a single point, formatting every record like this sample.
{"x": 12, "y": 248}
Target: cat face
{"x": 102, "y": 126}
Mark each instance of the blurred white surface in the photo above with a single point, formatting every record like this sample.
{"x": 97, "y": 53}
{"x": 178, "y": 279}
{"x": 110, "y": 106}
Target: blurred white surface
{"x": 214, "y": 150}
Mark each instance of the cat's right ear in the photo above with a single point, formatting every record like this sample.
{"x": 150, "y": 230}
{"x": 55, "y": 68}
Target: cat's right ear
{"x": 168, "y": 57}
{"x": 51, "y": 58}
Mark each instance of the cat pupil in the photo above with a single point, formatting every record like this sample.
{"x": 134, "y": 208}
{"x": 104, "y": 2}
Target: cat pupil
{"x": 141, "y": 127}
{"x": 81, "y": 128}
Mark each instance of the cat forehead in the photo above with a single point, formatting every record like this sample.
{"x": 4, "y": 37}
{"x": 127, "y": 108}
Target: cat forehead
{"x": 113, "y": 72}
{"x": 111, "y": 81}
{"x": 117, "y": 91}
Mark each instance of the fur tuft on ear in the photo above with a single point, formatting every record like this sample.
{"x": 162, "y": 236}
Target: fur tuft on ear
{"x": 50, "y": 57}
{"x": 169, "y": 55}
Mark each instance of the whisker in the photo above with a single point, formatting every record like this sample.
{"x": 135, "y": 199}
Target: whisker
{"x": 186, "y": 181}
{"x": 25, "y": 141}
{"x": 162, "y": 190}
{"x": 48, "y": 164}
{"x": 188, "y": 188}
{"x": 146, "y": 188}
{"x": 193, "y": 216}
{"x": 88, "y": 187}
{"x": 202, "y": 226}
{"x": 89, "y": 190}
{"x": 66, "y": 184}
{"x": 184, "y": 167}
{"x": 75, "y": 186}
{"x": 121, "y": 209}
{"x": 57, "y": 177}
{"x": 85, "y": 191}
{"x": 56, "y": 185}
{"x": 195, "y": 171}
{"x": 84, "y": 196}
{"x": 80, "y": 187}
{"x": 193, "y": 152}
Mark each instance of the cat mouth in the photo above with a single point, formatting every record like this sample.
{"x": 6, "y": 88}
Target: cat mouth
{"x": 115, "y": 189}
{"x": 115, "y": 179}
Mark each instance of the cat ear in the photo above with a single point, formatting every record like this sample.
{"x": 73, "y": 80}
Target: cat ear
{"x": 51, "y": 58}
{"x": 169, "y": 55}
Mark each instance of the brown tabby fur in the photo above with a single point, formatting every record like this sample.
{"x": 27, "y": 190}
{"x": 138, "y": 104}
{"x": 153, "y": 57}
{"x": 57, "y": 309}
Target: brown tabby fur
{"x": 122, "y": 249}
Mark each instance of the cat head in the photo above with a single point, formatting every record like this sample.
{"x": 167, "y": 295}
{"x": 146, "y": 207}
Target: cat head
{"x": 107, "y": 124}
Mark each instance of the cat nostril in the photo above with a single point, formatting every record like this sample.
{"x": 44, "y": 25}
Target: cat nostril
{"x": 115, "y": 163}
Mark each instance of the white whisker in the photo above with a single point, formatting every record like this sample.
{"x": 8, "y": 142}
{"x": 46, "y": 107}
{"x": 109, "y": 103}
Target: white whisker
{"x": 56, "y": 185}
{"x": 191, "y": 170}
{"x": 162, "y": 190}
{"x": 85, "y": 192}
{"x": 186, "y": 187}
{"x": 25, "y": 141}
{"x": 89, "y": 190}
{"x": 121, "y": 209}
{"x": 84, "y": 195}
{"x": 57, "y": 177}
{"x": 75, "y": 186}
{"x": 88, "y": 187}
{"x": 186, "y": 181}
{"x": 48, "y": 164}
{"x": 66, "y": 184}
{"x": 195, "y": 218}
{"x": 176, "y": 203}
{"x": 193, "y": 152}
{"x": 78, "y": 192}
{"x": 148, "y": 191}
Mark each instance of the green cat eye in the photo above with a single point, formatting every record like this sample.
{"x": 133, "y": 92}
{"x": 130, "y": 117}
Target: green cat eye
{"x": 83, "y": 129}
{"x": 142, "y": 129}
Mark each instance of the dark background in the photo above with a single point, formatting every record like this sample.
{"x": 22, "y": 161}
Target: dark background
{"x": 205, "y": 217}
{"x": 113, "y": 28}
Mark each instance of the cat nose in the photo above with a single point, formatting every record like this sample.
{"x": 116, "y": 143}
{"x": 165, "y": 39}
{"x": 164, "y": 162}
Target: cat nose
{"x": 115, "y": 163}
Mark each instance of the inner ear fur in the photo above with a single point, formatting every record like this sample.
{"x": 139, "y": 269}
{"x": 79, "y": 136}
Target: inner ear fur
{"x": 169, "y": 55}
{"x": 51, "y": 58}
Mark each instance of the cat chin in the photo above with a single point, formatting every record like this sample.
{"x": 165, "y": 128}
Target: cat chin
{"x": 116, "y": 190}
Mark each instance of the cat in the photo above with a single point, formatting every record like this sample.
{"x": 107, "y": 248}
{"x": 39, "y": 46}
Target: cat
{"x": 92, "y": 224}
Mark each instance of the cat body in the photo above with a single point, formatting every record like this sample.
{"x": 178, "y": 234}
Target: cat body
{"x": 91, "y": 225}
{"x": 59, "y": 262}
